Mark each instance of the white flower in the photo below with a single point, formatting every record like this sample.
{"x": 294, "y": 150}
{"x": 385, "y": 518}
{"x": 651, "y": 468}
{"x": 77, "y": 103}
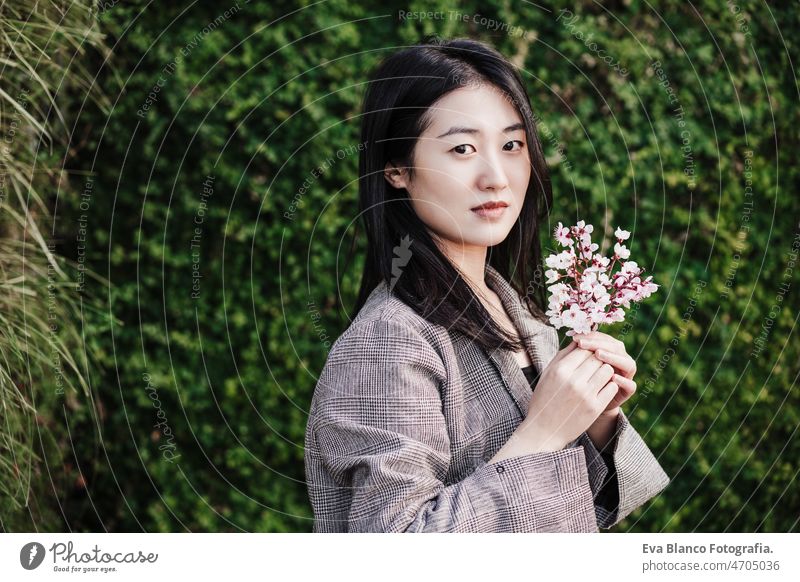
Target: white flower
{"x": 563, "y": 236}
{"x": 562, "y": 260}
{"x": 576, "y": 319}
{"x": 559, "y": 293}
{"x": 601, "y": 262}
{"x": 586, "y": 251}
{"x": 588, "y": 281}
{"x": 600, "y": 293}
{"x": 648, "y": 287}
{"x": 584, "y": 293}
{"x": 631, "y": 267}
{"x": 616, "y": 315}
{"x": 621, "y": 251}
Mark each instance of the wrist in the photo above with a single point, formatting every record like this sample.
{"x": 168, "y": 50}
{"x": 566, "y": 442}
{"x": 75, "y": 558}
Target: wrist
{"x": 529, "y": 437}
{"x": 609, "y": 415}
{"x": 603, "y": 430}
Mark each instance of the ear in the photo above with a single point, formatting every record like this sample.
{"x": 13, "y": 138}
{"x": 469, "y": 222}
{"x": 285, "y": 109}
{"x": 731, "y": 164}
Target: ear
{"x": 394, "y": 175}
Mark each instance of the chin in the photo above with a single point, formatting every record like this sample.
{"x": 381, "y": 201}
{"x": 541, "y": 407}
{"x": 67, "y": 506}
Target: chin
{"x": 490, "y": 239}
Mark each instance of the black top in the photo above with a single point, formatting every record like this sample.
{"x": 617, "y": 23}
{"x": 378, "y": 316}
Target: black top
{"x": 532, "y": 374}
{"x": 608, "y": 496}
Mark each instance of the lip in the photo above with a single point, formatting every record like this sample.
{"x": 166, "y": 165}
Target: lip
{"x": 491, "y": 210}
{"x": 491, "y": 205}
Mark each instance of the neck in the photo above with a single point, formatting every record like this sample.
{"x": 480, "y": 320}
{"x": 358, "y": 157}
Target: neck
{"x": 470, "y": 260}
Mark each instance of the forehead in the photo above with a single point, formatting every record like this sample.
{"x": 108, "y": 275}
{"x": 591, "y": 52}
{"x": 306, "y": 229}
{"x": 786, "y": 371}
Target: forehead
{"x": 484, "y": 107}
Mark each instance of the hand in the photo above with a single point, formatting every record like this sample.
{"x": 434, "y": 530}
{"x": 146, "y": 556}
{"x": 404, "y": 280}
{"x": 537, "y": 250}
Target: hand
{"x": 574, "y": 389}
{"x": 612, "y": 351}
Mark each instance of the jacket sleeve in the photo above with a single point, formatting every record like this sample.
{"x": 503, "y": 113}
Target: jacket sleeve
{"x": 380, "y": 431}
{"x": 624, "y": 476}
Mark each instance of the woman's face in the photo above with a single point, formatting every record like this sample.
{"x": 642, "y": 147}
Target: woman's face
{"x": 473, "y": 152}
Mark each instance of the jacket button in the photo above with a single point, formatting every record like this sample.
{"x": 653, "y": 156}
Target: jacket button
{"x": 500, "y": 469}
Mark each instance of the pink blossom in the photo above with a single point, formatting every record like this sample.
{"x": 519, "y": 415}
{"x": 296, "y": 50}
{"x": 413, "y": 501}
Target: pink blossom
{"x": 630, "y": 267}
{"x": 552, "y": 276}
{"x": 560, "y": 261}
{"x": 576, "y": 319}
{"x": 562, "y": 235}
{"x": 649, "y": 287}
{"x": 621, "y": 252}
{"x": 584, "y": 292}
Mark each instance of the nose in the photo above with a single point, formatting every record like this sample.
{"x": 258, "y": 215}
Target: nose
{"x": 492, "y": 176}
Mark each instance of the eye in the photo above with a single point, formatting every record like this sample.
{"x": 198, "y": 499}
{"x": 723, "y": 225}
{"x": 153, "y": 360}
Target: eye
{"x": 459, "y": 148}
{"x": 515, "y": 141}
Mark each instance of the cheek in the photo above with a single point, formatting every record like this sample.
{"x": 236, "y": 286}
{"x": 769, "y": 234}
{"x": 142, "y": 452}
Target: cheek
{"x": 436, "y": 214}
{"x": 434, "y": 197}
{"x": 519, "y": 178}
{"x": 439, "y": 186}
{"x": 520, "y": 174}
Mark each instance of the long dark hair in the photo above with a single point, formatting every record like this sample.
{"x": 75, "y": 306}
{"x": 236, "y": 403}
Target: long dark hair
{"x": 395, "y": 113}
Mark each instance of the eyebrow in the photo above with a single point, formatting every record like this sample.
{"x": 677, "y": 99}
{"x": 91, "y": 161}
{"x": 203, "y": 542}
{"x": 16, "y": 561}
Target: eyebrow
{"x": 460, "y": 129}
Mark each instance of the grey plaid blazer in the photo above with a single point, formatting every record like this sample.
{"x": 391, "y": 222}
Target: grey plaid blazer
{"x": 406, "y": 415}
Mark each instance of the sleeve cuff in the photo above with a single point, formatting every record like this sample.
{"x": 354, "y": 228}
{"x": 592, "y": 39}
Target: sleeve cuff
{"x": 548, "y": 489}
{"x": 600, "y": 464}
{"x": 603, "y": 474}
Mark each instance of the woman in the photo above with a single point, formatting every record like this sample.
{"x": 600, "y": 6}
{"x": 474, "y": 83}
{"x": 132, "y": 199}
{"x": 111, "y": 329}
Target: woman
{"x": 446, "y": 405}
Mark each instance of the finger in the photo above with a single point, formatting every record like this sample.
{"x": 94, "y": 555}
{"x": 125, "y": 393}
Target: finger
{"x": 626, "y": 385}
{"x": 587, "y": 369}
{"x": 604, "y": 342}
{"x": 564, "y": 351}
{"x": 596, "y": 335}
{"x": 576, "y": 357}
{"x": 624, "y": 363}
{"x": 607, "y": 394}
{"x": 601, "y": 377}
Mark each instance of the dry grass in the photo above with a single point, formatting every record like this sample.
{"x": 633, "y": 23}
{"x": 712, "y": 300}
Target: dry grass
{"x": 42, "y": 58}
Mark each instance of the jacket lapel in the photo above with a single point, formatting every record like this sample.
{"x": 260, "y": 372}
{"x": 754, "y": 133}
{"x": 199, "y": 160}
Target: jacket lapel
{"x": 540, "y": 340}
